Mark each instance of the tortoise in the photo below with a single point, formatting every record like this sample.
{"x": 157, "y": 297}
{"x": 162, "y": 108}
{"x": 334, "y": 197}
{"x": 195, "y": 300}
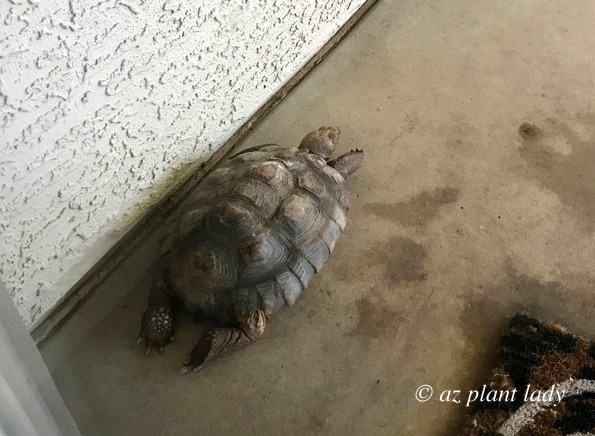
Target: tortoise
{"x": 254, "y": 233}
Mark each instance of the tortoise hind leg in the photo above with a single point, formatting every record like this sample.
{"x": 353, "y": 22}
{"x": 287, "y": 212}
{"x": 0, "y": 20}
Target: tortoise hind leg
{"x": 218, "y": 340}
{"x": 157, "y": 325}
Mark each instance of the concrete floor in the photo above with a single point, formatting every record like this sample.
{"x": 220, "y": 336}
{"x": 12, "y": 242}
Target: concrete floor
{"x": 458, "y": 221}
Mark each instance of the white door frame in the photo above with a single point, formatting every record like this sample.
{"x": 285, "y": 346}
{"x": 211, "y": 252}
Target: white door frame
{"x": 30, "y": 403}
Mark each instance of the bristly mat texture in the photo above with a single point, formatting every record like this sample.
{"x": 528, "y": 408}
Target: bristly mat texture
{"x": 545, "y": 385}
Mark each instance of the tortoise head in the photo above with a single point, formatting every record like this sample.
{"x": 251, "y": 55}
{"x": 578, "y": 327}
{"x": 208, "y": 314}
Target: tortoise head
{"x": 322, "y": 141}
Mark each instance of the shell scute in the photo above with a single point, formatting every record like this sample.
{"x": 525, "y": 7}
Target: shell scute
{"x": 316, "y": 251}
{"x": 286, "y": 153}
{"x": 192, "y": 218}
{"x": 333, "y": 174}
{"x": 232, "y": 218}
{"x": 276, "y": 176}
{"x": 270, "y": 296}
{"x": 316, "y": 160}
{"x": 251, "y": 156}
{"x": 302, "y": 269}
{"x": 258, "y": 193}
{"x": 330, "y": 234}
{"x": 291, "y": 286}
{"x": 205, "y": 266}
{"x": 261, "y": 255}
{"x": 297, "y": 215}
{"x": 311, "y": 182}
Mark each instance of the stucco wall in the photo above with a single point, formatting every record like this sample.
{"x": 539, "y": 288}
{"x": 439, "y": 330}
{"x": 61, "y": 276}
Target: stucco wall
{"x": 103, "y": 104}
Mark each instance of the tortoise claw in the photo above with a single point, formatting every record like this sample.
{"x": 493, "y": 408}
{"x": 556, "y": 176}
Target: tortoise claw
{"x": 188, "y": 368}
{"x": 148, "y": 350}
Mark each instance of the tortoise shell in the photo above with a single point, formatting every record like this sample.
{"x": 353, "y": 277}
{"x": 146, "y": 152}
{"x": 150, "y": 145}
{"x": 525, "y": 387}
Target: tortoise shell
{"x": 255, "y": 232}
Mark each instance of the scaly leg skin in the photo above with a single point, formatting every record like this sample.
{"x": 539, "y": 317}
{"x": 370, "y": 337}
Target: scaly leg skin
{"x": 348, "y": 163}
{"x": 218, "y": 340}
{"x": 157, "y": 326}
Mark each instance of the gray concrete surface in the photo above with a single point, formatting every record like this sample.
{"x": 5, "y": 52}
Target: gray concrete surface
{"x": 458, "y": 221}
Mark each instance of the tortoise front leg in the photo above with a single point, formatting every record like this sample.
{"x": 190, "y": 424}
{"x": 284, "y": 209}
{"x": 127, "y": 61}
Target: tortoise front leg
{"x": 218, "y": 340}
{"x": 157, "y": 325}
{"x": 348, "y": 163}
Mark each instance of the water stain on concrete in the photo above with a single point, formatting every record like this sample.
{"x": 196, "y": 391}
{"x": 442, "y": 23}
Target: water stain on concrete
{"x": 419, "y": 210}
{"x": 375, "y": 319}
{"x": 403, "y": 259}
{"x": 315, "y": 423}
{"x": 571, "y": 176}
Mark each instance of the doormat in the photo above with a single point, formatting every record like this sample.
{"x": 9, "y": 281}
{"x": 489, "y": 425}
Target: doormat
{"x": 544, "y": 386}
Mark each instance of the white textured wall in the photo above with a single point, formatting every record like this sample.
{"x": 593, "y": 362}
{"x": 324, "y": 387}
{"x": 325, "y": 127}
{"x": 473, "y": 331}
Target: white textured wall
{"x": 103, "y": 102}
